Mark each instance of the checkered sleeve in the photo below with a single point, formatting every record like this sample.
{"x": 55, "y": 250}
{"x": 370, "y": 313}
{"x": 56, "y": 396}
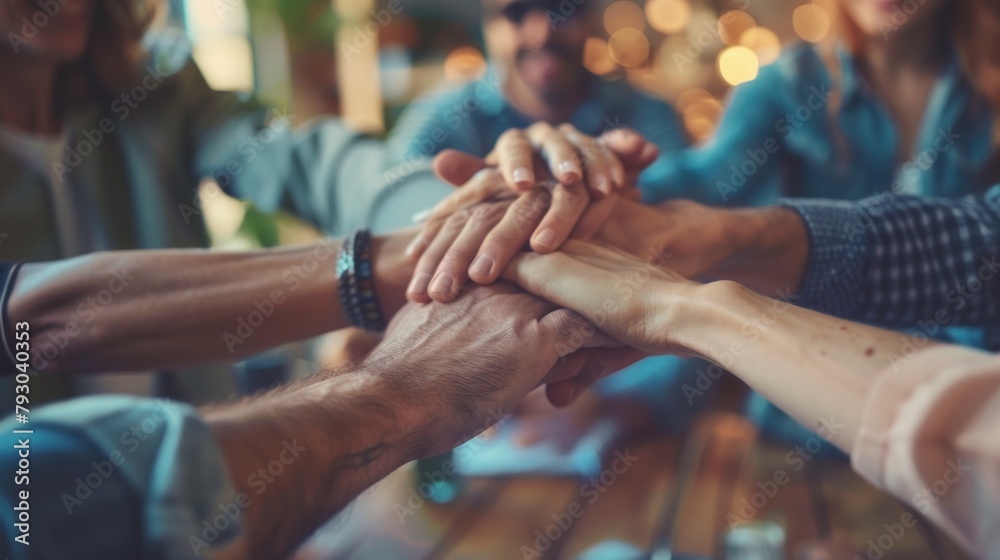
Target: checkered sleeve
{"x": 897, "y": 261}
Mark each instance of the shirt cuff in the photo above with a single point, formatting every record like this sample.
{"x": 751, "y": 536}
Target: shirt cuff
{"x": 838, "y": 251}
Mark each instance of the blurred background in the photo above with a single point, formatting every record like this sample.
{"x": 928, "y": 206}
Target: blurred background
{"x": 365, "y": 60}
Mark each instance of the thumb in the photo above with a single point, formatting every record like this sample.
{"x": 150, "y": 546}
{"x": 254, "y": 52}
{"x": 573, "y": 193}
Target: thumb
{"x": 457, "y": 167}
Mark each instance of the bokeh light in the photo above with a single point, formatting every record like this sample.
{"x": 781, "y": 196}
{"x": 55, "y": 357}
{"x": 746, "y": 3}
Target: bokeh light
{"x": 763, "y": 42}
{"x": 668, "y": 16}
{"x": 463, "y": 64}
{"x": 811, "y": 22}
{"x": 629, "y": 47}
{"x": 623, "y": 15}
{"x": 732, "y": 24}
{"x": 597, "y": 57}
{"x": 738, "y": 64}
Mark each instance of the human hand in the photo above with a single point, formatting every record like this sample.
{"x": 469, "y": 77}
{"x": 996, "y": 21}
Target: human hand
{"x": 763, "y": 248}
{"x": 461, "y": 367}
{"x": 478, "y": 242}
{"x": 623, "y": 153}
{"x": 635, "y": 301}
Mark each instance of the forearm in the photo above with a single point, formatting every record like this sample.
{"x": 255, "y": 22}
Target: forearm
{"x": 817, "y": 368}
{"x": 143, "y": 309}
{"x": 298, "y": 457}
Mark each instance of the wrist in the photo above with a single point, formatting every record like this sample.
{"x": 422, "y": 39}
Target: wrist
{"x": 392, "y": 269}
{"x": 714, "y": 316}
{"x": 766, "y": 248}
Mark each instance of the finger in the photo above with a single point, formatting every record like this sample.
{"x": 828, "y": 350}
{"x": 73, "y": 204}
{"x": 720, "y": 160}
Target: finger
{"x": 510, "y": 236}
{"x": 485, "y": 184}
{"x": 561, "y": 155}
{"x": 632, "y": 150}
{"x": 453, "y": 271}
{"x": 457, "y": 167}
{"x": 594, "y": 217}
{"x": 568, "y": 204}
{"x": 599, "y": 364}
{"x": 595, "y": 162}
{"x": 626, "y": 143}
{"x": 515, "y": 156}
{"x": 425, "y": 268}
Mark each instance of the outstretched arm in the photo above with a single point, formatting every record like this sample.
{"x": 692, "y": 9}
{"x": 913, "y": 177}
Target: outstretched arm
{"x": 913, "y": 414}
{"x": 140, "y": 309}
{"x": 253, "y": 479}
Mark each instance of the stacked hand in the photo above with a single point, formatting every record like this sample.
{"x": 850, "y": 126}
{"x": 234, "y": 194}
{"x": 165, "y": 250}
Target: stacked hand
{"x": 475, "y": 232}
{"x": 462, "y": 366}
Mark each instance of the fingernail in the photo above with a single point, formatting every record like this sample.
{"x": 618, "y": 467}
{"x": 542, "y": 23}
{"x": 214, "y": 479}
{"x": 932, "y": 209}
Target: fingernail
{"x": 419, "y": 283}
{"x": 568, "y": 167}
{"x": 522, "y": 175}
{"x": 442, "y": 284}
{"x": 421, "y": 215}
{"x": 546, "y": 239}
{"x": 482, "y": 266}
{"x": 414, "y": 245}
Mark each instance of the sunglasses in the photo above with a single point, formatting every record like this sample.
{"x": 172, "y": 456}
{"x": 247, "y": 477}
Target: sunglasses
{"x": 517, "y": 12}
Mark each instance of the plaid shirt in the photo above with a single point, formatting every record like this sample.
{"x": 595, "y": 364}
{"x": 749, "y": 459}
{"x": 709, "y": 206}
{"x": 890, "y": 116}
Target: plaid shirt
{"x": 903, "y": 261}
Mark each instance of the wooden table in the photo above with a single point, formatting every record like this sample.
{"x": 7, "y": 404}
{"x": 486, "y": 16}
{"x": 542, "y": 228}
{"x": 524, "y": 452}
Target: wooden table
{"x": 683, "y": 490}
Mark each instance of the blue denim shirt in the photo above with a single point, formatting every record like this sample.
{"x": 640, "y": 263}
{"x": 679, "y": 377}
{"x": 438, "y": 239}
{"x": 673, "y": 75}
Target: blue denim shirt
{"x": 472, "y": 117}
{"x": 777, "y": 138}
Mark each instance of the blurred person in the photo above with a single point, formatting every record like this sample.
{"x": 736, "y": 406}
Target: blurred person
{"x": 107, "y": 131}
{"x": 900, "y": 102}
{"x": 893, "y": 101}
{"x": 536, "y": 76}
{"x": 253, "y": 479}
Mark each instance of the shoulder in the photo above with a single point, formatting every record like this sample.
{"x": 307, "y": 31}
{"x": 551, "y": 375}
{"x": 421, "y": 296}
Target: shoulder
{"x": 798, "y": 72}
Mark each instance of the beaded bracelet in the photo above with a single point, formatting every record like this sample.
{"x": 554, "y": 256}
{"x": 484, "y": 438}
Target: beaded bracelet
{"x": 357, "y": 283}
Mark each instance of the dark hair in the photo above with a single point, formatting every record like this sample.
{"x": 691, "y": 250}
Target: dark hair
{"x": 114, "y": 56}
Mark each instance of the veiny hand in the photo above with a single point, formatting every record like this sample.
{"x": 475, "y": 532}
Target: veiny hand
{"x": 464, "y": 365}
